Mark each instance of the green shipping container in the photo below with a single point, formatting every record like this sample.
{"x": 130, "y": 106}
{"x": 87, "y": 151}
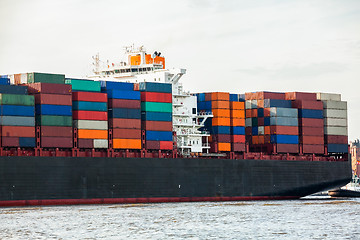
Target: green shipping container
{"x": 45, "y": 78}
{"x": 51, "y": 120}
{"x": 156, "y": 107}
{"x": 84, "y": 85}
{"x": 16, "y": 99}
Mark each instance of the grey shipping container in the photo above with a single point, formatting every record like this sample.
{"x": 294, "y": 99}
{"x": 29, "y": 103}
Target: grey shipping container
{"x": 283, "y": 112}
{"x": 283, "y": 121}
{"x": 335, "y": 113}
{"x": 328, "y": 130}
{"x": 340, "y": 122}
{"x": 335, "y": 105}
{"x": 328, "y": 96}
{"x": 90, "y": 124}
{"x": 17, "y": 121}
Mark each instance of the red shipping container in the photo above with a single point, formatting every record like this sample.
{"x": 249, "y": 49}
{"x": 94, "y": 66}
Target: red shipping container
{"x": 312, "y": 131}
{"x": 284, "y": 130}
{"x": 287, "y": 148}
{"x": 17, "y": 131}
{"x": 248, "y": 131}
{"x": 238, "y": 147}
{"x": 52, "y": 88}
{"x": 300, "y": 96}
{"x": 317, "y": 140}
{"x": 157, "y": 125}
{"x": 166, "y": 145}
{"x": 90, "y": 115}
{"x": 266, "y": 112}
{"x": 267, "y": 139}
{"x": 152, "y": 145}
{"x": 125, "y": 123}
{"x": 254, "y": 113}
{"x": 226, "y": 138}
{"x": 156, "y": 97}
{"x": 85, "y": 143}
{"x": 56, "y": 142}
{"x": 311, "y": 148}
{"x": 53, "y": 99}
{"x": 260, "y": 121}
{"x": 52, "y": 131}
{"x": 303, "y": 104}
{"x": 248, "y": 113}
{"x": 126, "y": 133}
{"x": 207, "y": 96}
{"x": 339, "y": 139}
{"x": 10, "y": 141}
{"x": 89, "y": 96}
{"x": 124, "y": 103}
{"x": 264, "y": 95}
{"x": 311, "y": 122}
{"x": 238, "y": 138}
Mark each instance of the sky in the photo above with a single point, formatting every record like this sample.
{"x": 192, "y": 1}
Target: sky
{"x": 235, "y": 46}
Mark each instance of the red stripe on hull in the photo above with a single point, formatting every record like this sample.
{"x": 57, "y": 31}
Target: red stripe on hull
{"x": 53, "y": 202}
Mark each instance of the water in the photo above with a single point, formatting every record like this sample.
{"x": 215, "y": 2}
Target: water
{"x": 295, "y": 219}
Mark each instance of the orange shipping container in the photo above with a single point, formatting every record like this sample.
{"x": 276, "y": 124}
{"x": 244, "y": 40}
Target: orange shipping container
{"x": 254, "y": 113}
{"x": 220, "y": 104}
{"x": 238, "y": 138}
{"x": 237, "y": 122}
{"x": 260, "y": 103}
{"x": 255, "y": 139}
{"x": 216, "y": 121}
{"x": 261, "y": 139}
{"x": 237, "y": 113}
{"x": 237, "y": 105}
{"x": 127, "y": 143}
{"x": 92, "y": 134}
{"x": 224, "y": 147}
{"x": 267, "y": 130}
{"x": 221, "y": 112}
{"x": 220, "y": 96}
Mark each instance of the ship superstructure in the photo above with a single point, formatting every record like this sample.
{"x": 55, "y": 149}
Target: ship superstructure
{"x": 144, "y": 67}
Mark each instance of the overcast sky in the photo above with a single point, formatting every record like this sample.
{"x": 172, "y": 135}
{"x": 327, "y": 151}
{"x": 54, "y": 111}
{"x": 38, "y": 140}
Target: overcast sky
{"x": 236, "y": 46}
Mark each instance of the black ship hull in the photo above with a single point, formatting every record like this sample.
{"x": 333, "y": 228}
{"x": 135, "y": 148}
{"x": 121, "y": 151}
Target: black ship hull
{"x": 86, "y": 180}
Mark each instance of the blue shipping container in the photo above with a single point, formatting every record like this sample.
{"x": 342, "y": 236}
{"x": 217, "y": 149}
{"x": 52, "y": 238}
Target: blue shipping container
{"x": 14, "y": 89}
{"x": 200, "y": 97}
{"x": 155, "y": 87}
{"x": 120, "y": 94}
{"x": 242, "y": 97}
{"x": 26, "y": 142}
{"x": 284, "y": 139}
{"x": 283, "y": 121}
{"x": 254, "y": 131}
{"x": 49, "y": 109}
{"x": 311, "y": 113}
{"x": 220, "y": 130}
{"x": 337, "y": 148}
{"x": 266, "y": 121}
{"x": 4, "y": 81}
{"x": 268, "y": 103}
{"x": 17, "y": 110}
{"x": 283, "y": 112}
{"x": 89, "y": 106}
{"x": 156, "y": 116}
{"x": 158, "y": 135}
{"x": 237, "y": 130}
{"x": 234, "y": 97}
{"x": 130, "y": 113}
{"x": 117, "y": 85}
{"x": 260, "y": 112}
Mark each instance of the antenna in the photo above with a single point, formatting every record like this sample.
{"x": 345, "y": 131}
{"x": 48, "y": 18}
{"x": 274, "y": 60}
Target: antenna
{"x": 96, "y": 63}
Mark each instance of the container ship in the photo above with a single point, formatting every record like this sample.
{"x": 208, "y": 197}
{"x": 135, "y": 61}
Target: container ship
{"x": 130, "y": 133}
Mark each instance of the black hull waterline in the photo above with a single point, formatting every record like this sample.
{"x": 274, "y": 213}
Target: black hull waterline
{"x": 84, "y": 180}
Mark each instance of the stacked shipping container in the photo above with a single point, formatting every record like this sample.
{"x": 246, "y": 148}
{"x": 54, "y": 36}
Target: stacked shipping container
{"x": 335, "y": 122}
{"x": 311, "y": 122}
{"x": 53, "y": 113}
{"x": 156, "y": 115}
{"x": 124, "y": 114}
{"x": 237, "y": 123}
{"x": 271, "y": 123}
{"x": 90, "y": 113}
{"x": 17, "y": 115}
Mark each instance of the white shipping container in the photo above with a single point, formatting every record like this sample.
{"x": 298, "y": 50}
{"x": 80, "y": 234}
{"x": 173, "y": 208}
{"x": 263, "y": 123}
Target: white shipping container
{"x": 101, "y": 143}
{"x": 248, "y": 104}
{"x": 248, "y": 122}
{"x": 23, "y": 78}
{"x": 254, "y": 104}
{"x": 335, "y": 113}
{"x": 340, "y": 122}
{"x": 12, "y": 79}
{"x": 90, "y": 124}
{"x": 328, "y": 96}
{"x": 261, "y": 130}
{"x": 335, "y": 105}
{"x": 328, "y": 130}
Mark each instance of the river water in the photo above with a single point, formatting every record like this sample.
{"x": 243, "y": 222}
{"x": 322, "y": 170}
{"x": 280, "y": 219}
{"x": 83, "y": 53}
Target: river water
{"x": 293, "y": 219}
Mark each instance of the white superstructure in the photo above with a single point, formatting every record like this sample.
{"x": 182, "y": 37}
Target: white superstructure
{"x": 143, "y": 67}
